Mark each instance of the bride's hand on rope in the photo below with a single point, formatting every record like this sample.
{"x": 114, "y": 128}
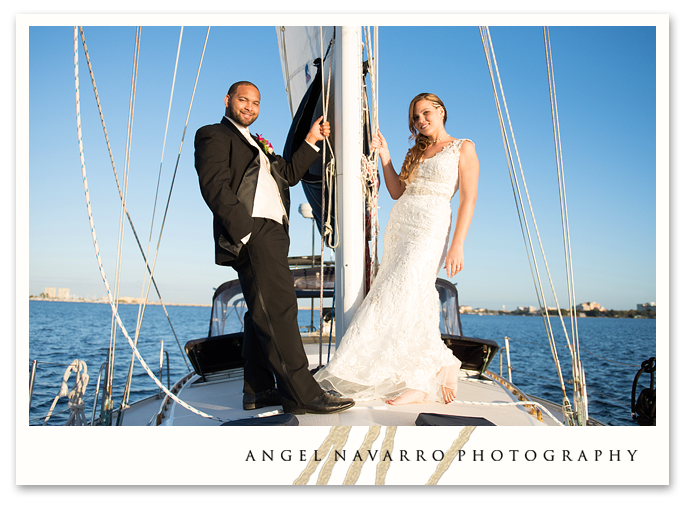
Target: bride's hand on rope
{"x": 318, "y": 131}
{"x": 455, "y": 260}
{"x": 378, "y": 142}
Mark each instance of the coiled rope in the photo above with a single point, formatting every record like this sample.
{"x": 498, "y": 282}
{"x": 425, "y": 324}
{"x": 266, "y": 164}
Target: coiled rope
{"x": 111, "y": 301}
{"x": 75, "y": 396}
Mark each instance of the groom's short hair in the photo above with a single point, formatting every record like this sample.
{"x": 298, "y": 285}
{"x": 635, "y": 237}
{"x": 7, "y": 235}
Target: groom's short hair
{"x": 234, "y": 87}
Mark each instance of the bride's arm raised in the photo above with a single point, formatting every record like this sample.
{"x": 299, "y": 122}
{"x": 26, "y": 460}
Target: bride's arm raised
{"x": 468, "y": 188}
{"x": 391, "y": 178}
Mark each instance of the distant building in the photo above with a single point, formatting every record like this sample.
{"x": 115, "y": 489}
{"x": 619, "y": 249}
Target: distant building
{"x": 465, "y": 309}
{"x": 590, "y": 306}
{"x": 63, "y": 293}
{"x": 647, "y": 306}
{"x": 131, "y": 300}
{"x": 529, "y": 309}
{"x": 49, "y": 292}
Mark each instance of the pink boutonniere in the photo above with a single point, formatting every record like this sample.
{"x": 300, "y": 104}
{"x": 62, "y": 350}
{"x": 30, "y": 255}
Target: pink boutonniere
{"x": 266, "y": 145}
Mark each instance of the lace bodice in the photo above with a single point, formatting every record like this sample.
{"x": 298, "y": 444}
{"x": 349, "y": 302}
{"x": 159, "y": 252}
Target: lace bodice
{"x": 439, "y": 174}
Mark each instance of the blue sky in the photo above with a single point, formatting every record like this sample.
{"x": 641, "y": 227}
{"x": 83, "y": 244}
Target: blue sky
{"x": 607, "y": 103}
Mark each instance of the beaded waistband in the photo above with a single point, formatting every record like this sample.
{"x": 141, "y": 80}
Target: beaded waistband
{"x": 421, "y": 190}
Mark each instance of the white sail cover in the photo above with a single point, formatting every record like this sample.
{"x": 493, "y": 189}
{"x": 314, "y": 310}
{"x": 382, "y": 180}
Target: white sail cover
{"x": 299, "y": 46}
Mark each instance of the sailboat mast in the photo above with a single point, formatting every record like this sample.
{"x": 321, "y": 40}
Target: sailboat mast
{"x": 348, "y": 132}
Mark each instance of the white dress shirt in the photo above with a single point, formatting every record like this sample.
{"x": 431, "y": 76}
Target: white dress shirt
{"x": 267, "y": 203}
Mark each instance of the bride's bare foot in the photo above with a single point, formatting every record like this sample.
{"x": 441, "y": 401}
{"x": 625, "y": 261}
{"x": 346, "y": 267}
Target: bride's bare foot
{"x": 408, "y": 397}
{"x": 448, "y": 394}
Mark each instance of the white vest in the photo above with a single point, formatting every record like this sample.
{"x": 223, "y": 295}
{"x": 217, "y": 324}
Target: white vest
{"x": 267, "y": 203}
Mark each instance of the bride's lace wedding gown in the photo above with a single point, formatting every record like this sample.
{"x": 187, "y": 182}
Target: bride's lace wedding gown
{"x": 393, "y": 343}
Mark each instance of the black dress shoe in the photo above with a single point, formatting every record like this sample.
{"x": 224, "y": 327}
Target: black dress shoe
{"x": 261, "y": 399}
{"x": 323, "y": 404}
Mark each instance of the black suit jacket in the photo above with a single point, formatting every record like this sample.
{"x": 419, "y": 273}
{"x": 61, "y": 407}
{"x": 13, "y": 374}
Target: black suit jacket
{"x": 228, "y": 167}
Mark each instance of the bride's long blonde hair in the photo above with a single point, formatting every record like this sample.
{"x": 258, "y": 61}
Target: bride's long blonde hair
{"x": 421, "y": 142}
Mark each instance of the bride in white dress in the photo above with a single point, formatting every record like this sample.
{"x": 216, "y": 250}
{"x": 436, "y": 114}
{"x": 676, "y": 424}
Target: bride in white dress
{"x": 393, "y": 350}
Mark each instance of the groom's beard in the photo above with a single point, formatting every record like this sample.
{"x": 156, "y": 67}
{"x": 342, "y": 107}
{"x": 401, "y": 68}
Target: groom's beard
{"x": 238, "y": 118}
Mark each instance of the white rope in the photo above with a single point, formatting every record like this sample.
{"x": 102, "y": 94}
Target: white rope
{"x": 102, "y": 271}
{"x": 330, "y": 233}
{"x": 325, "y": 103}
{"x": 117, "y": 183}
{"x": 75, "y": 396}
{"x": 327, "y": 172}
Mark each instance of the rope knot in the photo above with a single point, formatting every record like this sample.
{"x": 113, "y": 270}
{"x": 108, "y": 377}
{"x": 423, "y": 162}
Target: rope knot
{"x": 75, "y": 396}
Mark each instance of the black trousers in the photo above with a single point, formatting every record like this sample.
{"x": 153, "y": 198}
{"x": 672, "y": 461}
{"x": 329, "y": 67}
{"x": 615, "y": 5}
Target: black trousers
{"x": 272, "y": 346}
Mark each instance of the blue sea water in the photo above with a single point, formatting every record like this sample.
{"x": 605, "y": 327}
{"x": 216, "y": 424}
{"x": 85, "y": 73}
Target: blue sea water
{"x": 612, "y": 351}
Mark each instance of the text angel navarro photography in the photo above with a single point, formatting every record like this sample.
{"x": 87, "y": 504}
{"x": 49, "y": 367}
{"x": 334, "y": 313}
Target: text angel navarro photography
{"x": 508, "y": 455}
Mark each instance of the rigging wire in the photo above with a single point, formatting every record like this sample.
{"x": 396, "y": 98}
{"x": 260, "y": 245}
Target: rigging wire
{"x": 140, "y": 316}
{"x": 488, "y": 49}
{"x": 175, "y": 171}
{"x": 102, "y": 270}
{"x": 108, "y": 392}
{"x": 120, "y": 193}
{"x": 127, "y": 172}
{"x": 143, "y": 296}
{"x": 577, "y": 368}
{"x": 528, "y": 199}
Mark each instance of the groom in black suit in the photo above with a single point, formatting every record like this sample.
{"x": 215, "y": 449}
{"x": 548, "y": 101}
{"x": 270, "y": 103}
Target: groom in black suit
{"x": 246, "y": 186}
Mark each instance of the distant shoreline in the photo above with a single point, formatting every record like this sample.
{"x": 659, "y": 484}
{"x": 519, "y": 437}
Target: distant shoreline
{"x": 88, "y": 301}
{"x": 307, "y": 308}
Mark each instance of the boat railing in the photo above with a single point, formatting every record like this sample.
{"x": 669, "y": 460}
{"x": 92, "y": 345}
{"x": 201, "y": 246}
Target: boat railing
{"x": 505, "y": 349}
{"x": 96, "y": 393}
{"x": 161, "y": 395}
{"x": 34, "y": 365}
{"x": 168, "y": 370}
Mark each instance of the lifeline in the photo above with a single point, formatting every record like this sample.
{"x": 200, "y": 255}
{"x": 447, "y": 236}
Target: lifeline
{"x": 461, "y": 456}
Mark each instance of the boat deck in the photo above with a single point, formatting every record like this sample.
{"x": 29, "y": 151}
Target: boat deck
{"x": 221, "y": 397}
